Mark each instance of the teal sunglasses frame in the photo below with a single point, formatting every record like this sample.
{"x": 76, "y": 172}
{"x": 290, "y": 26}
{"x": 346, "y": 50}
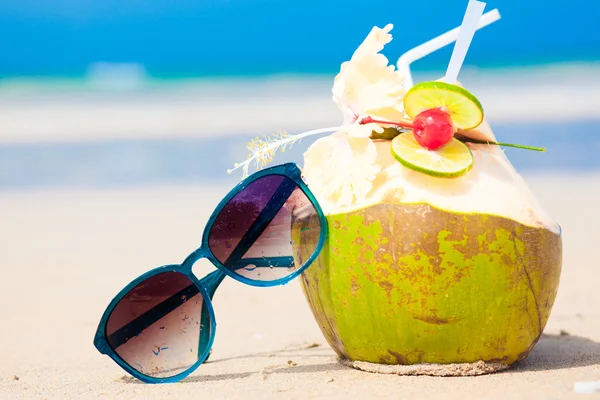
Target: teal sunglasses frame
{"x": 208, "y": 285}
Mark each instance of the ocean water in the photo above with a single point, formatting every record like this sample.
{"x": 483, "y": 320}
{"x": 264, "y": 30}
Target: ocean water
{"x": 169, "y": 39}
{"x": 131, "y": 163}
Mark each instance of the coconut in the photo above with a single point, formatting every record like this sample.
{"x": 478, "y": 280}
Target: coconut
{"x": 417, "y": 270}
{"x": 432, "y": 270}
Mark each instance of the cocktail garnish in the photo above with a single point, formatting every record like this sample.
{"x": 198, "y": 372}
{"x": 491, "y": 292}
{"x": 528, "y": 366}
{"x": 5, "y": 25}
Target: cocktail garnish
{"x": 263, "y": 150}
{"x": 450, "y": 161}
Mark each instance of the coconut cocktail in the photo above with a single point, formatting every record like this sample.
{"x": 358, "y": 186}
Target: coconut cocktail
{"x": 437, "y": 251}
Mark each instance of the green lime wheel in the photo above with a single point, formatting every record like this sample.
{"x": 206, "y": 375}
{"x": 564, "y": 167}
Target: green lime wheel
{"x": 450, "y": 161}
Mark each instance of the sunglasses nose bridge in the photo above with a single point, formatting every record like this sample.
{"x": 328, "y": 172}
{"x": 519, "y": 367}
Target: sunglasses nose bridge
{"x": 196, "y": 255}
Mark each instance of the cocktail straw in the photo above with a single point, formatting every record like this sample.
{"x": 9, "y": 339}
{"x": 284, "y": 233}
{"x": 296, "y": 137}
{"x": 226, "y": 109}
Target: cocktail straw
{"x": 465, "y": 37}
{"x": 435, "y": 44}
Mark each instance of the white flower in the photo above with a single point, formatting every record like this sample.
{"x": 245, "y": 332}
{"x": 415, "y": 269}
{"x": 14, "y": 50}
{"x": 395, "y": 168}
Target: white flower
{"x": 340, "y": 169}
{"x": 362, "y": 131}
{"x": 367, "y": 86}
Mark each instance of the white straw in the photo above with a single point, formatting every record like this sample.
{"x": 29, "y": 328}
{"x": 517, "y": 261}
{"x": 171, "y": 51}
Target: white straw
{"x": 465, "y": 37}
{"x": 435, "y": 44}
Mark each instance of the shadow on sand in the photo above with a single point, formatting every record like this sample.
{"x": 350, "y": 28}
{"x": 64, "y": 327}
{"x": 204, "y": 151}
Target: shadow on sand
{"x": 559, "y": 352}
{"x": 312, "y": 350}
{"x": 552, "y": 352}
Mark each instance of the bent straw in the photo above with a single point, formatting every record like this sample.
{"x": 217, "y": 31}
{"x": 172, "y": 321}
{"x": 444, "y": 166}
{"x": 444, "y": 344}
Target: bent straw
{"x": 465, "y": 37}
{"x": 435, "y": 44}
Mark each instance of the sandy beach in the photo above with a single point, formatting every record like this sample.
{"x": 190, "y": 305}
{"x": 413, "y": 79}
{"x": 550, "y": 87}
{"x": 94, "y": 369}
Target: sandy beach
{"x": 66, "y": 253}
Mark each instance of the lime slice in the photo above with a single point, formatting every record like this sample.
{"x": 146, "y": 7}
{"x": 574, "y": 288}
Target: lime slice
{"x": 464, "y": 108}
{"x": 449, "y": 161}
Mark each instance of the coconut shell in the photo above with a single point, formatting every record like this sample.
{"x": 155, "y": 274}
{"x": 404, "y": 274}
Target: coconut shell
{"x": 406, "y": 284}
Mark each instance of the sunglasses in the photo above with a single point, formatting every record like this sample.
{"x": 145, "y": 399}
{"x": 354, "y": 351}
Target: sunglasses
{"x": 265, "y": 232}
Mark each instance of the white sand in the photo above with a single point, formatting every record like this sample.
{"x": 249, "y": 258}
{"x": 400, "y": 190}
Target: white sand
{"x": 66, "y": 253}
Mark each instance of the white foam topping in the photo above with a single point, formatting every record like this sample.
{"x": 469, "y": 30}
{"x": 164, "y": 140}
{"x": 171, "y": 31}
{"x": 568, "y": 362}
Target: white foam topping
{"x": 491, "y": 187}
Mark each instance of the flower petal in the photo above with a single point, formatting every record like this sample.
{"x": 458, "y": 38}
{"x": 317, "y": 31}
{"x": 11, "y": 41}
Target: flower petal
{"x": 357, "y": 130}
{"x": 340, "y": 169}
{"x": 367, "y": 85}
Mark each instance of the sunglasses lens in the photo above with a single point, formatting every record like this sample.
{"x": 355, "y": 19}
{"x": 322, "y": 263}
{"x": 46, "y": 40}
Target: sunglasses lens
{"x": 158, "y": 325}
{"x": 252, "y": 235}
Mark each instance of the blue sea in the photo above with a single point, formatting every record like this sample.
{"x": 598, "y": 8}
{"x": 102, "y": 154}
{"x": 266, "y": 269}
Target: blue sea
{"x": 63, "y": 41}
{"x": 49, "y": 38}
{"x": 131, "y": 163}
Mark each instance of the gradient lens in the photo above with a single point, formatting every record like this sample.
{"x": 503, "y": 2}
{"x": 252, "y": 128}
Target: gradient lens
{"x": 252, "y": 235}
{"x": 156, "y": 327}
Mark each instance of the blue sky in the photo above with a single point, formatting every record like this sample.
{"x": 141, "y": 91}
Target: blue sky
{"x": 184, "y": 37}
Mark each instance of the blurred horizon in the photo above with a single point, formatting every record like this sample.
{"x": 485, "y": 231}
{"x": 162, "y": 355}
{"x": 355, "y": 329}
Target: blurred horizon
{"x": 78, "y": 39}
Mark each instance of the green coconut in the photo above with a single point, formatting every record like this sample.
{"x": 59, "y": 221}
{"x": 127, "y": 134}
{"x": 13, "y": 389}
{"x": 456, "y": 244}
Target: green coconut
{"x": 434, "y": 270}
{"x": 408, "y": 284}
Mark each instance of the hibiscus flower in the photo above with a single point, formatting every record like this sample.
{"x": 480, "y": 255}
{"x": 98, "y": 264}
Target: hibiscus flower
{"x": 368, "y": 86}
{"x": 340, "y": 169}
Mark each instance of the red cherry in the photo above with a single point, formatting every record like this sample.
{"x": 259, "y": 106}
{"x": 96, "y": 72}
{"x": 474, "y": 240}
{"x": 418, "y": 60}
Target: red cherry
{"x": 433, "y": 128}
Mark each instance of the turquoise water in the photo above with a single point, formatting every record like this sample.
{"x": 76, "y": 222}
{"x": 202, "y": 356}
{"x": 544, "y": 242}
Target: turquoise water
{"x": 133, "y": 163}
{"x": 169, "y": 39}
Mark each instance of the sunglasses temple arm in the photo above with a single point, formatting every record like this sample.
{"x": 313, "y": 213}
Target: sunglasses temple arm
{"x": 274, "y": 262}
{"x": 212, "y": 281}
